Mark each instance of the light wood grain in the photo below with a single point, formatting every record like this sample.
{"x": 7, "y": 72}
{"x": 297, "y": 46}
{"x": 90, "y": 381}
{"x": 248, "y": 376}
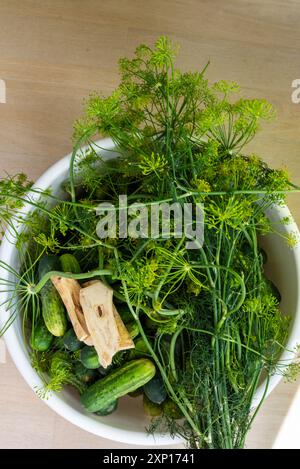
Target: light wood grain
{"x": 53, "y": 53}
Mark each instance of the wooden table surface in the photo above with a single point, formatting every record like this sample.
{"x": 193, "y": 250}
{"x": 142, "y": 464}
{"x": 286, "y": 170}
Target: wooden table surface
{"x": 53, "y": 53}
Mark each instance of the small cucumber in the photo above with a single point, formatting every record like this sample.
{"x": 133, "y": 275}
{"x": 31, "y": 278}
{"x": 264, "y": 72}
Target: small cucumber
{"x": 69, "y": 263}
{"x": 108, "y": 409}
{"x": 41, "y": 339}
{"x": 129, "y": 377}
{"x": 150, "y": 408}
{"x": 71, "y": 341}
{"x": 85, "y": 375}
{"x": 89, "y": 357}
{"x": 53, "y": 310}
{"x": 155, "y": 390}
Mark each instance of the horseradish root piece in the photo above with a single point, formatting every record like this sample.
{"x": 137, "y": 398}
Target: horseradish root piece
{"x": 97, "y": 305}
{"x": 68, "y": 290}
{"x": 125, "y": 341}
{"x": 104, "y": 324}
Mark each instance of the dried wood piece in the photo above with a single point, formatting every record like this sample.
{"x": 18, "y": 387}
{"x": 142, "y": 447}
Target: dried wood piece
{"x": 69, "y": 291}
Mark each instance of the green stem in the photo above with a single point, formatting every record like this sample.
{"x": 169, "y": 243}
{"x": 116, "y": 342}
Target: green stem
{"x": 172, "y": 353}
{"x": 55, "y": 273}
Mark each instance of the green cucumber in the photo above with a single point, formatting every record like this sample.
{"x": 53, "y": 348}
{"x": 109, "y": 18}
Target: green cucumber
{"x": 85, "y": 375}
{"x": 150, "y": 408}
{"x": 53, "y": 310}
{"x": 127, "y": 378}
{"x": 41, "y": 339}
{"x": 155, "y": 390}
{"x": 71, "y": 341}
{"x": 89, "y": 358}
{"x": 108, "y": 409}
{"x": 69, "y": 263}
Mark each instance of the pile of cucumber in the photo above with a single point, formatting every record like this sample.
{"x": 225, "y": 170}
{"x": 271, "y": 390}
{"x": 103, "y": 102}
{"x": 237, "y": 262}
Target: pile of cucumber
{"x": 133, "y": 374}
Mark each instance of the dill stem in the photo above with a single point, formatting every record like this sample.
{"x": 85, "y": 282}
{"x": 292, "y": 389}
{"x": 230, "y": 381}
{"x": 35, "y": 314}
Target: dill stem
{"x": 55, "y": 273}
{"x": 172, "y": 352}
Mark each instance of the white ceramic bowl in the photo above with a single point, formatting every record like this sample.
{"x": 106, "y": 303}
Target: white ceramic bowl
{"x": 127, "y": 425}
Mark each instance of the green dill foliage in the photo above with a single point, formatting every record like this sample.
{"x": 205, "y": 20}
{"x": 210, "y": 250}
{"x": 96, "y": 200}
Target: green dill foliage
{"x": 12, "y": 191}
{"x": 60, "y": 368}
{"x": 208, "y": 317}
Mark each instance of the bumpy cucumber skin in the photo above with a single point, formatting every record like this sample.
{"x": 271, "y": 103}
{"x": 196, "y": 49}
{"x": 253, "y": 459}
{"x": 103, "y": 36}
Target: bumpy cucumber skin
{"x": 89, "y": 358}
{"x": 71, "y": 342}
{"x": 41, "y": 339}
{"x": 109, "y": 409}
{"x": 53, "y": 311}
{"x": 69, "y": 263}
{"x": 127, "y": 378}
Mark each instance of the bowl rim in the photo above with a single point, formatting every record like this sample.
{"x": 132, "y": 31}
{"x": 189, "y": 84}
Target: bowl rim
{"x": 100, "y": 428}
